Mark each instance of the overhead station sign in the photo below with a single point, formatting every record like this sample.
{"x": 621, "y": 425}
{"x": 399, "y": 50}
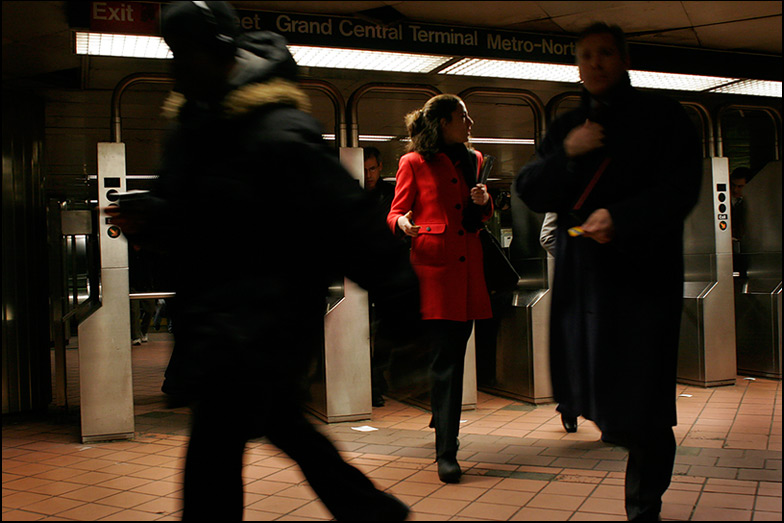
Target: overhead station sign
{"x": 412, "y": 37}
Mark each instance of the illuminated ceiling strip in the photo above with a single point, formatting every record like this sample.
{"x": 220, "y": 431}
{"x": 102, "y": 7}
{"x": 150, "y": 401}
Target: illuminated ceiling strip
{"x": 503, "y": 141}
{"x": 127, "y": 46}
{"x": 98, "y": 44}
{"x": 366, "y": 60}
{"x": 751, "y": 87}
{"x": 514, "y": 70}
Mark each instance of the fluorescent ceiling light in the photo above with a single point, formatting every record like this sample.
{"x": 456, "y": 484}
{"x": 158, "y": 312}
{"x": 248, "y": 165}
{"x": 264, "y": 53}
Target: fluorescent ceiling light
{"x": 135, "y": 46}
{"x": 751, "y": 87}
{"x": 128, "y": 46}
{"x": 367, "y": 60}
{"x": 365, "y": 137}
{"x": 516, "y": 70}
{"x": 503, "y": 141}
{"x": 376, "y": 138}
{"x": 676, "y": 82}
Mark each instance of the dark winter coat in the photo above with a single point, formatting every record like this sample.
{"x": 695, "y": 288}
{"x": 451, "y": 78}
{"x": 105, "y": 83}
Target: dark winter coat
{"x": 616, "y": 307}
{"x": 260, "y": 218}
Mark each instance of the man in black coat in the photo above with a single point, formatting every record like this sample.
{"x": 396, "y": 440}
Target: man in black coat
{"x": 625, "y": 169}
{"x": 251, "y": 274}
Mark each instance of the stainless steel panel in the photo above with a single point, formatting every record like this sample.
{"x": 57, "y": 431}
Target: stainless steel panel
{"x": 706, "y": 352}
{"x": 105, "y": 374}
{"x": 76, "y": 222}
{"x": 758, "y": 291}
{"x": 522, "y": 369}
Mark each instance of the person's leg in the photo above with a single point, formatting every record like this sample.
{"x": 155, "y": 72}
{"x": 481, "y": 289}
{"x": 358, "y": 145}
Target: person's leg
{"x": 148, "y": 311}
{"x": 136, "y": 333}
{"x": 449, "y": 341}
{"x": 345, "y": 491}
{"x": 648, "y": 471}
{"x": 213, "y": 489}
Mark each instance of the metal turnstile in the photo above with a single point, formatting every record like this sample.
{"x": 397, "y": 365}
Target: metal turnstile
{"x": 518, "y": 351}
{"x": 758, "y": 287}
{"x": 706, "y": 353}
{"x": 105, "y": 373}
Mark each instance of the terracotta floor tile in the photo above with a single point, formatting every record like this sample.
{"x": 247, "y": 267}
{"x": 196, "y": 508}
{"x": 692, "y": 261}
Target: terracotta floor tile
{"x": 22, "y": 499}
{"x": 604, "y": 506}
{"x": 444, "y": 507}
{"x": 556, "y": 501}
{"x": 492, "y": 511}
{"x": 541, "y": 514}
{"x": 127, "y": 499}
{"x": 266, "y": 487}
{"x": 89, "y": 494}
{"x": 720, "y": 514}
{"x": 768, "y": 504}
{"x": 516, "y": 498}
{"x": 525, "y": 485}
{"x": 278, "y": 504}
{"x": 315, "y": 510}
{"x": 163, "y": 505}
{"x": 124, "y": 483}
{"x": 52, "y": 506}
{"x": 21, "y": 515}
{"x": 766, "y": 516}
{"x": 568, "y": 489}
{"x": 130, "y": 515}
{"x": 458, "y": 492}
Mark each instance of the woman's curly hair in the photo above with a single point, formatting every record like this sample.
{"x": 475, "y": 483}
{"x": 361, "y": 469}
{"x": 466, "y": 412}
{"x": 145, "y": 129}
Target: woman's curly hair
{"x": 424, "y": 126}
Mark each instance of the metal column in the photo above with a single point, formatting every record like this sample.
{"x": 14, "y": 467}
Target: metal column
{"x": 105, "y": 374}
{"x": 706, "y": 353}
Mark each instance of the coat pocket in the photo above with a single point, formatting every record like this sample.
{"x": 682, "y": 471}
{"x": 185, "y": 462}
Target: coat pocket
{"x": 429, "y": 248}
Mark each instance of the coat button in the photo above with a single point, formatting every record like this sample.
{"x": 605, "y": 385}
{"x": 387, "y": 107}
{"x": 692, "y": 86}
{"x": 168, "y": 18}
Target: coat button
{"x": 458, "y": 206}
{"x": 427, "y": 229}
{"x": 460, "y": 232}
{"x": 462, "y": 258}
{"x": 454, "y": 180}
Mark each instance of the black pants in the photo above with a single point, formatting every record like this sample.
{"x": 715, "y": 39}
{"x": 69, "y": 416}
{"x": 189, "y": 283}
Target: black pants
{"x": 213, "y": 487}
{"x": 648, "y": 470}
{"x": 448, "y": 341}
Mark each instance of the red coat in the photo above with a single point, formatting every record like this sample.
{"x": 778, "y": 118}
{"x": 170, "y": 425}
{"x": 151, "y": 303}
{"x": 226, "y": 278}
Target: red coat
{"x": 446, "y": 258}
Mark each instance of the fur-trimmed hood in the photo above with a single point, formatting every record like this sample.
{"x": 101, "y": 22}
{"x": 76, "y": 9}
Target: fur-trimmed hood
{"x": 265, "y": 74}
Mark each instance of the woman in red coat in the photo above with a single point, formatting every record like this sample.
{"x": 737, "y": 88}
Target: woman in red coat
{"x": 439, "y": 204}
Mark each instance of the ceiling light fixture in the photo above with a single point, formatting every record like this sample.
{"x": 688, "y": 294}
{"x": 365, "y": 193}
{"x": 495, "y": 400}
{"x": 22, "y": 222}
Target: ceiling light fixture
{"x": 127, "y": 46}
{"x": 135, "y": 46}
{"x": 366, "y": 60}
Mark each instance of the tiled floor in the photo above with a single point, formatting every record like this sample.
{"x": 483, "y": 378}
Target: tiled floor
{"x": 519, "y": 464}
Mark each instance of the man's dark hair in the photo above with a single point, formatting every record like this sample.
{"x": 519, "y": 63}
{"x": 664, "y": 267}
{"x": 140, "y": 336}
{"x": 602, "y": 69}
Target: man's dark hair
{"x": 612, "y": 30}
{"x": 741, "y": 172}
{"x": 372, "y": 152}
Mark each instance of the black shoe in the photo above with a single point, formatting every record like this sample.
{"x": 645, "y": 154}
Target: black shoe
{"x": 449, "y": 471}
{"x": 378, "y": 401}
{"x": 569, "y": 423}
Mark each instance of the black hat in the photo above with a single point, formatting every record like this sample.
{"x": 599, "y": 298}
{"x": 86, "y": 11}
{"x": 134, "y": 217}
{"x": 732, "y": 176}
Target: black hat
{"x": 211, "y": 25}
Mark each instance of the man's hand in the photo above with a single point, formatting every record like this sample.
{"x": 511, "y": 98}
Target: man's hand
{"x": 599, "y": 226}
{"x": 584, "y": 139}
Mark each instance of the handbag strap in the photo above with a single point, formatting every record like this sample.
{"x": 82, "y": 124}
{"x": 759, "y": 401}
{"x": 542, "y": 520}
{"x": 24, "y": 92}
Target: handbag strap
{"x": 591, "y": 184}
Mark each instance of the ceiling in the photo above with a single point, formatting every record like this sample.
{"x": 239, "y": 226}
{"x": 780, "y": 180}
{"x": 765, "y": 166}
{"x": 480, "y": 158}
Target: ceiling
{"x": 37, "y": 38}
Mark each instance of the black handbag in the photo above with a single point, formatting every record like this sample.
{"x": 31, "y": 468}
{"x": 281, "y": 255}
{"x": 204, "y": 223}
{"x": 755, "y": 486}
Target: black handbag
{"x": 500, "y": 275}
